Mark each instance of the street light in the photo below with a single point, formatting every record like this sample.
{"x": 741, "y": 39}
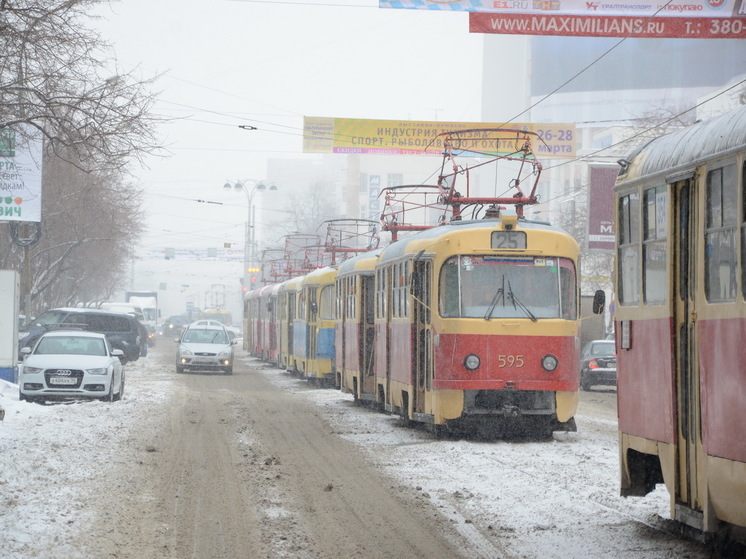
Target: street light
{"x": 249, "y": 256}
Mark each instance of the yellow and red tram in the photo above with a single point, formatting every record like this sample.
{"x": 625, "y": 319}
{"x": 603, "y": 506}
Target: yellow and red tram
{"x": 477, "y": 328}
{"x": 680, "y": 322}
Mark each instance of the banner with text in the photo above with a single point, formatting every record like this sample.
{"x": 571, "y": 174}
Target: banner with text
{"x": 413, "y": 137}
{"x": 20, "y": 177}
{"x": 686, "y": 19}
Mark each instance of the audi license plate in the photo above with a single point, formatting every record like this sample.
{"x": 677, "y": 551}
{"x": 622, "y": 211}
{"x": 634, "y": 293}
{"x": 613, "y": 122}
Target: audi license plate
{"x": 63, "y": 380}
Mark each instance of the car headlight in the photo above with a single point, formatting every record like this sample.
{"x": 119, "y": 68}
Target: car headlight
{"x": 549, "y": 362}
{"x": 31, "y": 370}
{"x": 101, "y": 371}
{"x": 472, "y": 362}
{"x": 224, "y": 355}
{"x": 184, "y": 352}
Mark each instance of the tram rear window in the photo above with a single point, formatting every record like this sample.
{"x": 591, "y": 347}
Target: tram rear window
{"x": 511, "y": 287}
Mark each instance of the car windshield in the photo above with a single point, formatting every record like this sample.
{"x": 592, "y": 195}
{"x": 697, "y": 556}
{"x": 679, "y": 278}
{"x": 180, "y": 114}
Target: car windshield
{"x": 70, "y": 345}
{"x": 50, "y": 317}
{"x": 507, "y": 287}
{"x": 205, "y": 336}
{"x": 603, "y": 348}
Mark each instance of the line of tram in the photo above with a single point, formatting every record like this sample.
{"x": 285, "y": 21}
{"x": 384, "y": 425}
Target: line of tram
{"x": 680, "y": 323}
{"x": 466, "y": 323}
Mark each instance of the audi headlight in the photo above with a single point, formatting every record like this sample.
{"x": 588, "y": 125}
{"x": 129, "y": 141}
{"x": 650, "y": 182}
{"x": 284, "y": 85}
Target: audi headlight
{"x": 31, "y": 370}
{"x": 100, "y": 371}
{"x": 472, "y": 362}
{"x": 549, "y": 362}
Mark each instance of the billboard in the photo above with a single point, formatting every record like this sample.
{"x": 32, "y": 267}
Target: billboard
{"x": 414, "y": 137}
{"x": 684, "y": 19}
{"x": 20, "y": 177}
{"x": 601, "y": 207}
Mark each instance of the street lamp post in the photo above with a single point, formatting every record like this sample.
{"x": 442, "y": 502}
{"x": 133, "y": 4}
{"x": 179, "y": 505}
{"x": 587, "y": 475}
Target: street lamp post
{"x": 249, "y": 255}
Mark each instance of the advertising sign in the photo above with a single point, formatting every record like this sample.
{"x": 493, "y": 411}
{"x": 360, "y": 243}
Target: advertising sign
{"x": 412, "y": 137}
{"x": 20, "y": 178}
{"x": 601, "y": 207}
{"x": 684, "y": 19}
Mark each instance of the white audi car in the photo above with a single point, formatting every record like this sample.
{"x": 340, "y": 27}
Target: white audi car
{"x": 71, "y": 364}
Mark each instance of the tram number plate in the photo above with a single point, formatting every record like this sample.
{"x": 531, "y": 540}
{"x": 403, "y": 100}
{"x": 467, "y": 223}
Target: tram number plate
{"x": 508, "y": 240}
{"x": 509, "y": 361}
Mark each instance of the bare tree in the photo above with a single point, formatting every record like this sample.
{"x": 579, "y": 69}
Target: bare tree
{"x": 90, "y": 222}
{"x": 55, "y": 78}
{"x": 308, "y": 211}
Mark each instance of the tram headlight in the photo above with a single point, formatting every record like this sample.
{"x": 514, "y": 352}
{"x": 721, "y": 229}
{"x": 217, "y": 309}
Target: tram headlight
{"x": 549, "y": 362}
{"x": 472, "y": 362}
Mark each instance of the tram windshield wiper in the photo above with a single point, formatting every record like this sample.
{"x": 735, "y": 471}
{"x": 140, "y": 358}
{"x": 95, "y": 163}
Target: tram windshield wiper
{"x": 517, "y": 303}
{"x": 499, "y": 294}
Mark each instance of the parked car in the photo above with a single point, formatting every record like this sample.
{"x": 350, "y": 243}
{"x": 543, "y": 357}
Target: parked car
{"x": 122, "y": 330}
{"x": 71, "y": 364}
{"x": 204, "y": 347}
{"x": 598, "y": 364}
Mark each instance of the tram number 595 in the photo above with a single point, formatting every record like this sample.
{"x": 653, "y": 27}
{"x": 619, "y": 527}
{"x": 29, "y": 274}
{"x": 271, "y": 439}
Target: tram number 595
{"x": 504, "y": 361}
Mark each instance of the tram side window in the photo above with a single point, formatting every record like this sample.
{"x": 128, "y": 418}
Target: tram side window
{"x": 400, "y": 295}
{"x": 449, "y": 289}
{"x": 326, "y": 303}
{"x": 654, "y": 245}
{"x": 347, "y": 298}
{"x": 720, "y": 234}
{"x": 568, "y": 289}
{"x": 381, "y": 294}
{"x": 629, "y": 249}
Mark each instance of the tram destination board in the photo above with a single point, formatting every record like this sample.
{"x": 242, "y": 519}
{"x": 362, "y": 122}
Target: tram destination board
{"x": 508, "y": 240}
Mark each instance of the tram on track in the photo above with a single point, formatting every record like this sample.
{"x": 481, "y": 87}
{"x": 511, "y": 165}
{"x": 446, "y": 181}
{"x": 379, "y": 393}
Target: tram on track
{"x": 477, "y": 327}
{"x": 680, "y": 204}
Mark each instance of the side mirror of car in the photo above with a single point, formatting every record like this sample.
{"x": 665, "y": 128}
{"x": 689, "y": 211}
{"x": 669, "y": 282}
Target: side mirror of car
{"x": 117, "y": 353}
{"x": 25, "y": 350}
{"x": 177, "y": 340}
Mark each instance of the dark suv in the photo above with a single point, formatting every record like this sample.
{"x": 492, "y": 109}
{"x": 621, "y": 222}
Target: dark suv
{"x": 123, "y": 330}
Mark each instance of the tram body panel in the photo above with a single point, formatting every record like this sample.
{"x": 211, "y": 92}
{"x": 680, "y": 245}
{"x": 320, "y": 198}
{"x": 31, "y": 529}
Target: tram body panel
{"x": 645, "y": 388}
{"x": 510, "y": 361}
{"x": 723, "y": 379}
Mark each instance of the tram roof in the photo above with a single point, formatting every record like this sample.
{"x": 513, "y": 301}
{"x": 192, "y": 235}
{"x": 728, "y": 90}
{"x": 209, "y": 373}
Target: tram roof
{"x": 676, "y": 153}
{"x": 401, "y": 247}
{"x": 353, "y": 263}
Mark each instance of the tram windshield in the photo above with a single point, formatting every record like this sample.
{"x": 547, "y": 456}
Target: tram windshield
{"x": 491, "y": 287}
